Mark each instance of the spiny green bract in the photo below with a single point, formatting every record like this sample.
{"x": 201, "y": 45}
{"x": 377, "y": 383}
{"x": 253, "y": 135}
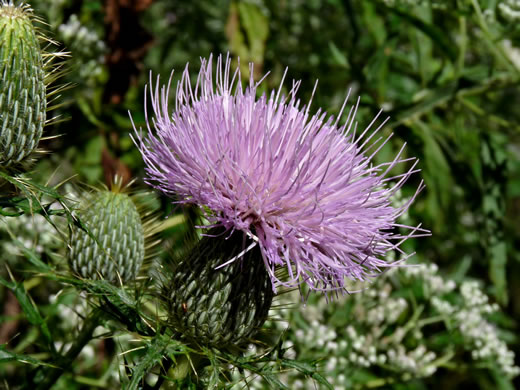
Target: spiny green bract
{"x": 219, "y": 307}
{"x": 22, "y": 87}
{"x": 112, "y": 218}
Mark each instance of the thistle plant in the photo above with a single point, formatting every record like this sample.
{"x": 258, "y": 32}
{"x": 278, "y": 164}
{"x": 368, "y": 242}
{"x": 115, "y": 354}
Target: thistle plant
{"x": 106, "y": 250}
{"x": 278, "y": 187}
{"x": 220, "y": 308}
{"x": 23, "y": 101}
{"x": 113, "y": 246}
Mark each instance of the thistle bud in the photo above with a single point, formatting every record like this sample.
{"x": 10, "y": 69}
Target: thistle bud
{"x": 22, "y": 87}
{"x": 114, "y": 249}
{"x": 225, "y": 306}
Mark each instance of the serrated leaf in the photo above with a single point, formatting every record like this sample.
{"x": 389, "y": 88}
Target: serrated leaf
{"x": 154, "y": 354}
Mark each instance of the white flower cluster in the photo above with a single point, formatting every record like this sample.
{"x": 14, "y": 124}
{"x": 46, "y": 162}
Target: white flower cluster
{"x": 442, "y": 306}
{"x": 389, "y": 312}
{"x": 382, "y": 329}
{"x": 433, "y": 283}
{"x": 419, "y": 361}
{"x": 80, "y": 37}
{"x": 480, "y": 333}
{"x": 510, "y": 10}
{"x": 86, "y": 46}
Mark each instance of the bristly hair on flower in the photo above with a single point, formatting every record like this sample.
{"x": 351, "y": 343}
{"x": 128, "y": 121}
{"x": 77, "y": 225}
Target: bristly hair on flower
{"x": 302, "y": 187}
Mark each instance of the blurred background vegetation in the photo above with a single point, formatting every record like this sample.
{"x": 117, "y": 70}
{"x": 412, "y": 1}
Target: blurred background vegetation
{"x": 446, "y": 73}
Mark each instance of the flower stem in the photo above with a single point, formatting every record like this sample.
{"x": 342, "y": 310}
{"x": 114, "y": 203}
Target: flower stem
{"x": 50, "y": 375}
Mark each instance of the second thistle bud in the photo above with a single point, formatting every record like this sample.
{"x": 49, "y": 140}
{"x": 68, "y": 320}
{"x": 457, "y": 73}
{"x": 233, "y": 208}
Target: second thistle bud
{"x": 22, "y": 86}
{"x": 220, "y": 307}
{"x": 114, "y": 249}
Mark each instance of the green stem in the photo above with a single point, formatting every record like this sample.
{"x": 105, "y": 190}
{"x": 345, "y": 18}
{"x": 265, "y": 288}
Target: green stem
{"x": 51, "y": 375}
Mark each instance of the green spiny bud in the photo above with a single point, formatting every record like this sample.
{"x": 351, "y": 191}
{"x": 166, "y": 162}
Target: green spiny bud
{"x": 220, "y": 307}
{"x": 22, "y": 86}
{"x": 117, "y": 252}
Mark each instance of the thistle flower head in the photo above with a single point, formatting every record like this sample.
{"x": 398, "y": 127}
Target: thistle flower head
{"x": 28, "y": 70}
{"x": 304, "y": 188}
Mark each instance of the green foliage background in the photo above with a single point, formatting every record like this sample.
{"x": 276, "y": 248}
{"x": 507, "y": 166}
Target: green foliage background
{"x": 446, "y": 73}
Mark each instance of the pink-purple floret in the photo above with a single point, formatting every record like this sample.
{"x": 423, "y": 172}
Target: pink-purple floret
{"x": 302, "y": 187}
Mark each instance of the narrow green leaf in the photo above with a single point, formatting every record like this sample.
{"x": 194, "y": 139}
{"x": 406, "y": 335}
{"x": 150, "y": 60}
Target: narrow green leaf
{"x": 303, "y": 367}
{"x": 8, "y": 356}
{"x": 28, "y": 307}
{"x": 49, "y": 191}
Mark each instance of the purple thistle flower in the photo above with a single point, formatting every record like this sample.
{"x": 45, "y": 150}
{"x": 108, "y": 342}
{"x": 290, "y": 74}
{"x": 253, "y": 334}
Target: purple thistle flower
{"x": 301, "y": 186}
